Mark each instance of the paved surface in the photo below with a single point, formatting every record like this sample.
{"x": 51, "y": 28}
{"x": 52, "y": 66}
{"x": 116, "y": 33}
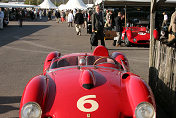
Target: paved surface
{"x": 23, "y": 51}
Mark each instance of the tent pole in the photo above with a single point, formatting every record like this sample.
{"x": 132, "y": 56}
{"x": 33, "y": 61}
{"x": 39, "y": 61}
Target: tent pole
{"x": 125, "y": 16}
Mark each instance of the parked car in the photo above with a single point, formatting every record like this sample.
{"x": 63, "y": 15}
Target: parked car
{"x": 87, "y": 85}
{"x": 137, "y": 35}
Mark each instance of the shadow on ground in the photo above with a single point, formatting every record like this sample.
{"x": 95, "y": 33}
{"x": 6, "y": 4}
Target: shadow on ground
{"x": 5, "y": 100}
{"x": 14, "y": 32}
{"x": 164, "y": 95}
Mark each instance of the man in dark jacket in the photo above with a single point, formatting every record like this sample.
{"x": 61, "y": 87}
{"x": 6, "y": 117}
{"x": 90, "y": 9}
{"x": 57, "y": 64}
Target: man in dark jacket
{"x": 78, "y": 20}
{"x": 118, "y": 29}
{"x": 57, "y": 15}
{"x": 98, "y": 25}
{"x": 20, "y": 17}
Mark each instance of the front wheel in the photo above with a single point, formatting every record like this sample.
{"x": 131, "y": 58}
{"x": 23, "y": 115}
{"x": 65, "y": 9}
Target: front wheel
{"x": 126, "y": 41}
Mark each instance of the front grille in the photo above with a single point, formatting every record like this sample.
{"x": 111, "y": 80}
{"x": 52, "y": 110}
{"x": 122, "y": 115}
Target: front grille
{"x": 143, "y": 41}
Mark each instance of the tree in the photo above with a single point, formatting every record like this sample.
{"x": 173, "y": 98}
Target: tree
{"x": 33, "y": 2}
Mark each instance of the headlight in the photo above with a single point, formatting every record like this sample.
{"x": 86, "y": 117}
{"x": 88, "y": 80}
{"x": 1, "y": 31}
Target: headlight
{"x": 145, "y": 110}
{"x": 31, "y": 110}
{"x": 134, "y": 40}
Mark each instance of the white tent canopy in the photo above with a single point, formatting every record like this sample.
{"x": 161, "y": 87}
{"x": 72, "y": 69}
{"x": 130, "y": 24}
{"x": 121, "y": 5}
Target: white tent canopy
{"x": 75, "y": 4}
{"x": 90, "y": 5}
{"x": 47, "y": 4}
{"x": 61, "y": 7}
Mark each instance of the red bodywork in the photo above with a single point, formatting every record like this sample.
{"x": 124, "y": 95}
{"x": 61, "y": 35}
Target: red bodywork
{"x": 84, "y": 90}
{"x": 138, "y": 35}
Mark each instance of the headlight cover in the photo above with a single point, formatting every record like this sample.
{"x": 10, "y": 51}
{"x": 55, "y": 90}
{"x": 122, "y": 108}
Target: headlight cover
{"x": 134, "y": 40}
{"x": 31, "y": 110}
{"x": 145, "y": 110}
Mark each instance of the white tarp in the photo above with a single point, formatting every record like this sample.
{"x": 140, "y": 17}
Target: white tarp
{"x": 15, "y": 5}
{"x": 75, "y": 4}
{"x": 47, "y": 4}
{"x": 98, "y": 2}
{"x": 90, "y": 5}
{"x": 61, "y": 7}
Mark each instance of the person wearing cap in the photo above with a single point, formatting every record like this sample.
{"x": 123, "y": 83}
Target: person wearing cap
{"x": 1, "y": 18}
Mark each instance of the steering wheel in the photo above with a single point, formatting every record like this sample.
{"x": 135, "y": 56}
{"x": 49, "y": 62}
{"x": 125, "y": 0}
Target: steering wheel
{"x": 115, "y": 62}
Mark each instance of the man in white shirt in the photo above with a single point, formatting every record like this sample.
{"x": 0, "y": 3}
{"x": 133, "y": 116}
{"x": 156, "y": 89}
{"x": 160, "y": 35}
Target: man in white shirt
{"x": 165, "y": 19}
{"x": 1, "y": 18}
{"x": 70, "y": 19}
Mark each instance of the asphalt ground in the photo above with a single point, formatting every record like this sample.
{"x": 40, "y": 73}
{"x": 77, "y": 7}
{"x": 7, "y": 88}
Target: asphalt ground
{"x": 23, "y": 51}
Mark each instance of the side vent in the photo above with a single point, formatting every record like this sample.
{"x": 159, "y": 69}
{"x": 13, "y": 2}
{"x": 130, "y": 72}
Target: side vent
{"x": 87, "y": 79}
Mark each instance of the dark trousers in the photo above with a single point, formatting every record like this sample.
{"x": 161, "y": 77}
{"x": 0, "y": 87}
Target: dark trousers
{"x": 70, "y": 24}
{"x": 20, "y": 21}
{"x": 100, "y": 36}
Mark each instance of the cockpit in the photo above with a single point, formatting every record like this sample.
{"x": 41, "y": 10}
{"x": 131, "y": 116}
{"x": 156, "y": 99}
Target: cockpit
{"x": 84, "y": 61}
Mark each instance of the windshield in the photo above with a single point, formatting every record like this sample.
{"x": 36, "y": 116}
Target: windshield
{"x": 84, "y": 61}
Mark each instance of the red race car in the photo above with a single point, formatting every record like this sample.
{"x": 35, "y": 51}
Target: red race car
{"x": 87, "y": 85}
{"x": 137, "y": 35}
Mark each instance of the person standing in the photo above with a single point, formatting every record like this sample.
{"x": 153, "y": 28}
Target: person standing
{"x": 118, "y": 29}
{"x": 165, "y": 19}
{"x": 172, "y": 28}
{"x": 1, "y": 18}
{"x": 70, "y": 19}
{"x": 107, "y": 18}
{"x": 98, "y": 25}
{"x": 32, "y": 15}
{"x": 62, "y": 16}
{"x": 49, "y": 15}
{"x": 35, "y": 14}
{"x": 57, "y": 15}
{"x": 40, "y": 14}
{"x": 20, "y": 17}
{"x": 79, "y": 20}
{"x": 85, "y": 18}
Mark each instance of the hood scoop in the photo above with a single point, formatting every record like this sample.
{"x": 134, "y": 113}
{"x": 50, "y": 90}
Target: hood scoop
{"x": 87, "y": 79}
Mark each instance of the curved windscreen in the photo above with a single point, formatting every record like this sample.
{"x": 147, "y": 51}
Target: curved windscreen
{"x": 84, "y": 61}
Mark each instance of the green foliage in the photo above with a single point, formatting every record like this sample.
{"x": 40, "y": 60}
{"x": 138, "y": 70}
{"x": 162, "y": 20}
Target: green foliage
{"x": 5, "y": 1}
{"x": 33, "y": 2}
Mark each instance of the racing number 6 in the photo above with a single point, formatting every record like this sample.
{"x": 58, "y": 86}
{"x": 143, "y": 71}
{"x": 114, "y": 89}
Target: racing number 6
{"x": 83, "y": 100}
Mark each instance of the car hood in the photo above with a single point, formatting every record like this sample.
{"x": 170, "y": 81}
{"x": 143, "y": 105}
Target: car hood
{"x": 73, "y": 100}
{"x": 141, "y": 35}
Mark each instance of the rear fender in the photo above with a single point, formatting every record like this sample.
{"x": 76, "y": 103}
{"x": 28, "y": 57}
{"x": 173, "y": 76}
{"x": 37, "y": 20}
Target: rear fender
{"x": 120, "y": 57}
{"x": 49, "y": 59}
{"x": 35, "y": 91}
{"x": 137, "y": 90}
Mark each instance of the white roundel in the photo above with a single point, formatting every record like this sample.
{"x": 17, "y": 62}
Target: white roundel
{"x": 86, "y": 100}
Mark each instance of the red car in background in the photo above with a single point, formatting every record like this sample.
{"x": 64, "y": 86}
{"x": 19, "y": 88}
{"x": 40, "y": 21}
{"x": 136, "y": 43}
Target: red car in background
{"x": 137, "y": 35}
{"x": 87, "y": 85}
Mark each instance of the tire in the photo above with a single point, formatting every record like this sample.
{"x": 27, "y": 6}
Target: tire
{"x": 126, "y": 41}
